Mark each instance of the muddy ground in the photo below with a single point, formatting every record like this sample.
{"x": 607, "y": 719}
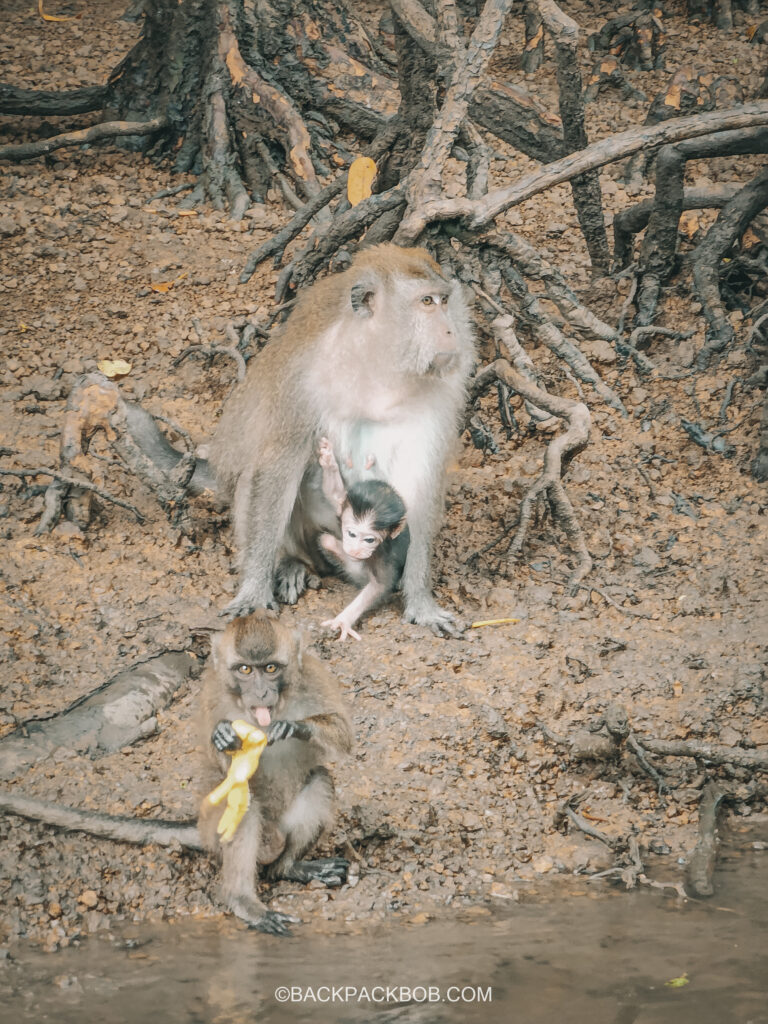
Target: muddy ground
{"x": 451, "y": 795}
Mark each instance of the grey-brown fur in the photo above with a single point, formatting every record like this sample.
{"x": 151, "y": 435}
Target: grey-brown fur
{"x": 363, "y": 361}
{"x": 291, "y": 792}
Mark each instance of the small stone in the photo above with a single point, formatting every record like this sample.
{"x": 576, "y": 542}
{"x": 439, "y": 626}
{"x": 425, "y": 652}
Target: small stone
{"x": 599, "y": 351}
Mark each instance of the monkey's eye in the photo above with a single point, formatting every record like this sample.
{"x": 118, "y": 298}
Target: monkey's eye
{"x": 270, "y": 669}
{"x": 244, "y": 670}
{"x": 428, "y": 300}
{"x": 370, "y": 540}
{"x": 351, "y": 534}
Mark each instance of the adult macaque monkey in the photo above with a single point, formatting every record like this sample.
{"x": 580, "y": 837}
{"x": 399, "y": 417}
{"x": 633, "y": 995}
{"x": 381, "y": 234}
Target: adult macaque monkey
{"x": 376, "y": 359}
{"x": 258, "y": 672}
{"x": 374, "y": 539}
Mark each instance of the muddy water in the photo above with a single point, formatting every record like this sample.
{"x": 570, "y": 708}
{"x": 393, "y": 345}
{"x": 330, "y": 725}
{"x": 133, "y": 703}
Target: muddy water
{"x": 598, "y": 957}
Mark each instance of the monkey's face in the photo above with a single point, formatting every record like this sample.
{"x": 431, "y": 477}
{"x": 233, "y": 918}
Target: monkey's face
{"x": 431, "y": 334}
{"x": 256, "y": 687}
{"x": 358, "y": 538}
{"x": 254, "y": 658}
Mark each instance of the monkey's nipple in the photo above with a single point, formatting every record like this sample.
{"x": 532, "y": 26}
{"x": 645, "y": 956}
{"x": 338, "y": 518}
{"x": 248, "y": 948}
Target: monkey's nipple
{"x": 263, "y": 717}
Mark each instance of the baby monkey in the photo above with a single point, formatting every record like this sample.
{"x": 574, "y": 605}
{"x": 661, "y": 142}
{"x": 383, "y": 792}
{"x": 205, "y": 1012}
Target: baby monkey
{"x": 374, "y": 539}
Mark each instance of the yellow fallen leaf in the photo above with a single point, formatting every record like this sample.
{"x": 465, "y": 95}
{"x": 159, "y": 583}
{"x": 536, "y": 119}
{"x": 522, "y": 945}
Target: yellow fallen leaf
{"x": 492, "y": 622}
{"x": 23, "y": 327}
{"x": 165, "y": 286}
{"x": 678, "y": 982}
{"x": 54, "y": 17}
{"x": 114, "y": 368}
{"x": 362, "y": 171}
{"x": 186, "y": 213}
{"x": 689, "y": 223}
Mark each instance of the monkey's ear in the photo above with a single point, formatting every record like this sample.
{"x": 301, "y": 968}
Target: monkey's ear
{"x": 398, "y": 529}
{"x": 362, "y": 296}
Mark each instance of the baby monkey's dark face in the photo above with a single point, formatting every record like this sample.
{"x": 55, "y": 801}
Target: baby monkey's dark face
{"x": 358, "y": 537}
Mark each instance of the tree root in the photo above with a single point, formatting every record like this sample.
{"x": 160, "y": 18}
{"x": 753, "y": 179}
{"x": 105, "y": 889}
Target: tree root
{"x": 607, "y": 745}
{"x": 425, "y": 180}
{"x": 95, "y": 404}
{"x": 633, "y": 873}
{"x": 54, "y": 495}
{"x": 82, "y": 137}
{"x": 701, "y": 863}
{"x": 733, "y": 220}
{"x": 114, "y": 716}
{"x": 558, "y": 455}
{"x": 587, "y": 197}
{"x": 477, "y": 215}
{"x": 657, "y": 253}
{"x": 630, "y": 222}
{"x": 760, "y": 464}
{"x": 37, "y": 103}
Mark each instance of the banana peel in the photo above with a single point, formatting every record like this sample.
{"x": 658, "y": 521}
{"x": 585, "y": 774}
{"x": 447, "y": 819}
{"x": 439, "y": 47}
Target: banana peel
{"x": 235, "y": 787}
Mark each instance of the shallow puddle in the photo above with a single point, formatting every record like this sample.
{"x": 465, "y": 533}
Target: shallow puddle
{"x": 598, "y": 957}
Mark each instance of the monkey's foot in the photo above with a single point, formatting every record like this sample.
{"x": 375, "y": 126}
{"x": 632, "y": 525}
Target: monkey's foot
{"x": 425, "y": 611}
{"x": 275, "y": 923}
{"x": 290, "y": 581}
{"x": 256, "y": 916}
{"x": 331, "y": 871}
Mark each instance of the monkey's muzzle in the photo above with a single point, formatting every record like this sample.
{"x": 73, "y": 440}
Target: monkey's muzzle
{"x": 441, "y": 363}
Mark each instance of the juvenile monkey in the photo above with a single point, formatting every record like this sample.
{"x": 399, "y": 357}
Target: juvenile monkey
{"x": 258, "y": 672}
{"x": 374, "y": 539}
{"x": 377, "y": 360}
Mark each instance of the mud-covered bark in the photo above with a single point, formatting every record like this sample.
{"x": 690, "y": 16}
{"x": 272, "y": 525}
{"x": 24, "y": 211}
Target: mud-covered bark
{"x": 658, "y": 251}
{"x": 733, "y": 220}
{"x": 123, "y": 710}
{"x": 586, "y": 188}
{"x": 760, "y": 464}
{"x": 39, "y": 103}
{"x": 82, "y": 137}
{"x": 701, "y": 865}
{"x": 634, "y": 219}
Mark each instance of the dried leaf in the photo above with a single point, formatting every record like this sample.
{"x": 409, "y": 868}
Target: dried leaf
{"x": 114, "y": 368}
{"x": 362, "y": 171}
{"x": 165, "y": 286}
{"x": 55, "y": 17}
{"x": 689, "y": 223}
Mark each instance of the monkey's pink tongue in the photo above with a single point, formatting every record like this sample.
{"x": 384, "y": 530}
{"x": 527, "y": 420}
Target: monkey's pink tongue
{"x": 263, "y": 717}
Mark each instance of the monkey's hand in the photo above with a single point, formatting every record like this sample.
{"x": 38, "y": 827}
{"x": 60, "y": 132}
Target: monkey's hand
{"x": 325, "y": 455}
{"x": 344, "y": 627}
{"x": 224, "y": 737}
{"x": 282, "y": 730}
{"x": 247, "y": 600}
{"x": 245, "y": 761}
{"x": 425, "y": 611}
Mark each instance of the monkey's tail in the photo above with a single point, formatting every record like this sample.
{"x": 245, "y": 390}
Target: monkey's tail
{"x": 124, "y": 829}
{"x": 159, "y": 450}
